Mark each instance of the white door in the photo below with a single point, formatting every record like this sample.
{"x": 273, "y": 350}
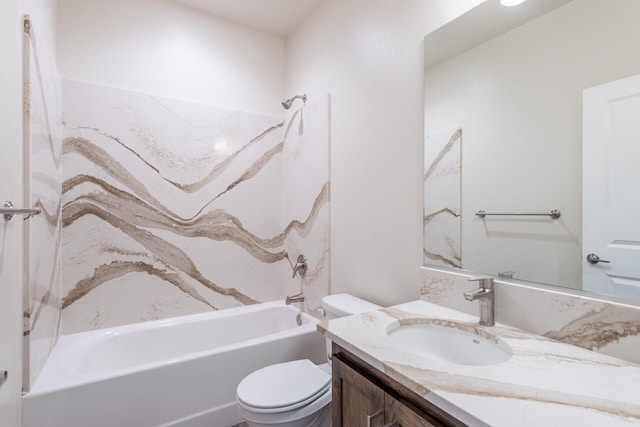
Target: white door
{"x": 611, "y": 188}
{"x": 11, "y": 188}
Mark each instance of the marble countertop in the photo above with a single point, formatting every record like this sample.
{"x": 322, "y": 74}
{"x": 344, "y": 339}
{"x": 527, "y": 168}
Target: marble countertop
{"x": 545, "y": 382}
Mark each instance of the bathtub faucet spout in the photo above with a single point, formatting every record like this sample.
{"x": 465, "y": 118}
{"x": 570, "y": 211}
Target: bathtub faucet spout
{"x": 294, "y": 298}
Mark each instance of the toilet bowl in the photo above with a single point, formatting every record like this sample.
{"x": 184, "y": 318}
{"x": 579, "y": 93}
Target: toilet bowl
{"x": 295, "y": 393}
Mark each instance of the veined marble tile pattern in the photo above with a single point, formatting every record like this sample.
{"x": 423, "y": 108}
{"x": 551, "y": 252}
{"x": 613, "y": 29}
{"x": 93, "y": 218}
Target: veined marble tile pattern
{"x": 442, "y": 198}
{"x": 543, "y": 383}
{"x": 173, "y": 208}
{"x": 603, "y": 326}
{"x": 42, "y": 135}
{"x": 306, "y": 183}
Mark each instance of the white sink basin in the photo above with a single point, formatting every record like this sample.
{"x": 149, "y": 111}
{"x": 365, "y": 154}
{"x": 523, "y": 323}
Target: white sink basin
{"x": 449, "y": 344}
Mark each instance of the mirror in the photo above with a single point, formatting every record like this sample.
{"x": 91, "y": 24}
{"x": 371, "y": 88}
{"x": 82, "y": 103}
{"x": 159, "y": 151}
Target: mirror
{"x": 503, "y": 132}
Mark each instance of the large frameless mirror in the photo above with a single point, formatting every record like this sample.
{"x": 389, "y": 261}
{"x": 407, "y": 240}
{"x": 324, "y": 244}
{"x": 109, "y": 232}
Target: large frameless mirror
{"x": 505, "y": 91}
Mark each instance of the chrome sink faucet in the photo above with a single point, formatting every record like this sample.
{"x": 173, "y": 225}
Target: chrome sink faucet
{"x": 485, "y": 296}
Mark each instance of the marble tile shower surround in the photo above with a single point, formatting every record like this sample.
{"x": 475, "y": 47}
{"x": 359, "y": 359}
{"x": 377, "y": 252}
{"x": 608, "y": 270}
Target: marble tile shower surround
{"x": 603, "y": 326}
{"x": 42, "y": 137}
{"x": 306, "y": 175}
{"x": 442, "y": 198}
{"x": 173, "y": 208}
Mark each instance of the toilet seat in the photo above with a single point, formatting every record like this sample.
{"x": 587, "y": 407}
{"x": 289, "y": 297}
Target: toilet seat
{"x": 303, "y": 416}
{"x": 283, "y": 387}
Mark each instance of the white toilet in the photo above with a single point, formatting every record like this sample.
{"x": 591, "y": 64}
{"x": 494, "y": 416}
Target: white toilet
{"x": 296, "y": 393}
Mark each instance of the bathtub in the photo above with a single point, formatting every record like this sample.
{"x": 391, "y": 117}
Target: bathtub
{"x": 175, "y": 372}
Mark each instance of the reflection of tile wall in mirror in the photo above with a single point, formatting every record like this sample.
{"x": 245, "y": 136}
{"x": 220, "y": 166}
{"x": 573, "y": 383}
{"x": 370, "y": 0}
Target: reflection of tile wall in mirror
{"x": 442, "y": 175}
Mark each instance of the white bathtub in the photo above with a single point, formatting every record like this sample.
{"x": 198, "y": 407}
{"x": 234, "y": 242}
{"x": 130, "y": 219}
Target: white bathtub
{"x": 176, "y": 372}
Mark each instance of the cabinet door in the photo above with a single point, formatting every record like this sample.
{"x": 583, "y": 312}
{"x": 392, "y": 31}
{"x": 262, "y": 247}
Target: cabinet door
{"x": 399, "y": 415}
{"x": 356, "y": 401}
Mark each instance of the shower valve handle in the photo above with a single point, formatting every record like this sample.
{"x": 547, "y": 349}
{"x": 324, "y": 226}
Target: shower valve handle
{"x": 300, "y": 267}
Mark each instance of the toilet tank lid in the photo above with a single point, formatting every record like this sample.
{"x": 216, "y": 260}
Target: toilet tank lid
{"x": 346, "y": 304}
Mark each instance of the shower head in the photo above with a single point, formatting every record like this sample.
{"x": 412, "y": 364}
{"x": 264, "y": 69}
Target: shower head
{"x": 286, "y": 104}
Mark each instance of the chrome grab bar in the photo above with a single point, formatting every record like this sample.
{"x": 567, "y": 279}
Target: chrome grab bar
{"x": 554, "y": 214}
{"x": 9, "y": 211}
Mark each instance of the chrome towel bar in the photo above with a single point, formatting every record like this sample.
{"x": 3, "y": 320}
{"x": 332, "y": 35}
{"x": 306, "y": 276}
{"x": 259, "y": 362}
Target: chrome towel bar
{"x": 554, "y": 214}
{"x": 9, "y": 211}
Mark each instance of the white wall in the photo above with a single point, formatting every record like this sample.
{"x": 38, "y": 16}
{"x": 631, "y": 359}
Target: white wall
{"x": 163, "y": 48}
{"x": 368, "y": 55}
{"x": 11, "y": 232}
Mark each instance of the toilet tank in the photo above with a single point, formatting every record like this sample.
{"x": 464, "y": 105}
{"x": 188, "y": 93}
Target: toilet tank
{"x": 340, "y": 305}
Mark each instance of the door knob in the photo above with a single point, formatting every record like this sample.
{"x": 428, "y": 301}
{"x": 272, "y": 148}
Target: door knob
{"x": 594, "y": 259}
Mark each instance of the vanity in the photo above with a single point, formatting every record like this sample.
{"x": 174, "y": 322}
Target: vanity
{"x": 382, "y": 378}
{"x": 362, "y": 395}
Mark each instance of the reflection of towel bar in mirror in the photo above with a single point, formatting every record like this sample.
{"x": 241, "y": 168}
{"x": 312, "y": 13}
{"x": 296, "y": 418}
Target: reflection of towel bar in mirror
{"x": 554, "y": 214}
{"x": 9, "y": 211}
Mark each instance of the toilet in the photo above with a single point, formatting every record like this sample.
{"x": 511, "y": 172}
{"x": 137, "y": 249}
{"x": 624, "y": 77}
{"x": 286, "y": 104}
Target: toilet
{"x": 295, "y": 393}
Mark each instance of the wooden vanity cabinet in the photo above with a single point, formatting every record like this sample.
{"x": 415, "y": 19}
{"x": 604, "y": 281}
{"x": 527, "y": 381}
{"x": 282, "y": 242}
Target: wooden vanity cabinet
{"x": 364, "y": 397}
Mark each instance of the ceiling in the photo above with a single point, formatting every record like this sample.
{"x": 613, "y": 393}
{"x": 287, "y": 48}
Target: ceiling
{"x": 277, "y": 17}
